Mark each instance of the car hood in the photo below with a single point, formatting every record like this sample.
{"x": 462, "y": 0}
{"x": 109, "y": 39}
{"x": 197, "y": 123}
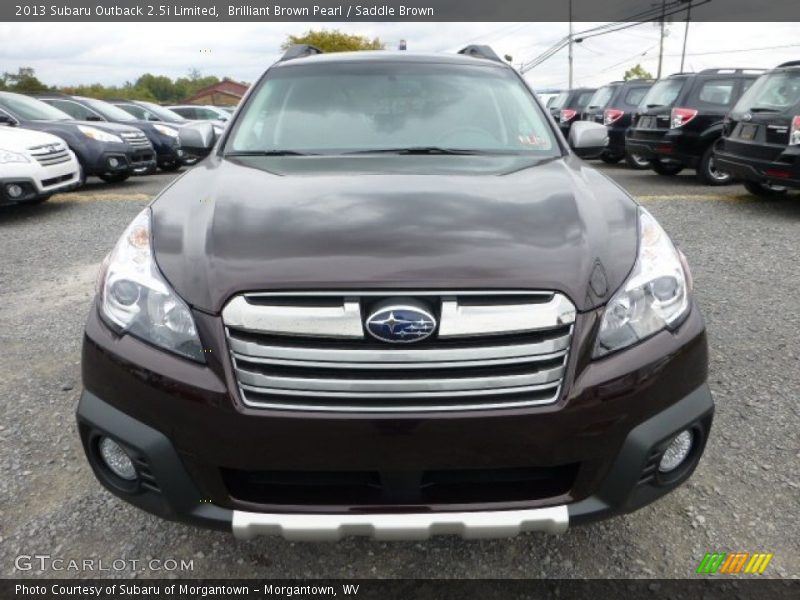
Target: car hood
{"x": 393, "y": 222}
{"x": 18, "y": 138}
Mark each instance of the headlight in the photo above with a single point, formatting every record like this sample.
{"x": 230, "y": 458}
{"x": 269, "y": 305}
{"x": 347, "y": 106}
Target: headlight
{"x": 98, "y": 134}
{"x": 134, "y": 298}
{"x": 164, "y": 130}
{"x": 654, "y": 296}
{"x": 7, "y": 156}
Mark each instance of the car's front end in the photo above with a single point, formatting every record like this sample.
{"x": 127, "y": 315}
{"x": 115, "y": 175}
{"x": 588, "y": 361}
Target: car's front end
{"x": 393, "y": 342}
{"x": 35, "y": 166}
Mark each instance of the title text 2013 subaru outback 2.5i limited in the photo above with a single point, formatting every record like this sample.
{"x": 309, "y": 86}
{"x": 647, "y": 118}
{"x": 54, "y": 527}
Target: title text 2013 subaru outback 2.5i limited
{"x": 393, "y": 302}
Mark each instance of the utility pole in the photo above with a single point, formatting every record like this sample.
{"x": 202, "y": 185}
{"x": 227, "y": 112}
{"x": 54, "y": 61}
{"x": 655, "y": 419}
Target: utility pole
{"x": 686, "y": 32}
{"x": 570, "y": 44}
{"x": 661, "y": 39}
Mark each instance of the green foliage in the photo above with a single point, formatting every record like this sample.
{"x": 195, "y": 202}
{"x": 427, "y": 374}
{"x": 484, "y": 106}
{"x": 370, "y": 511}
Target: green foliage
{"x": 155, "y": 88}
{"x": 637, "y": 72}
{"x": 334, "y": 40}
{"x": 23, "y": 81}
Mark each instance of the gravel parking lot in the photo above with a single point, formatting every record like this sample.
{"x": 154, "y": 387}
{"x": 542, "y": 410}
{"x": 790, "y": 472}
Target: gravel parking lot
{"x": 745, "y": 495}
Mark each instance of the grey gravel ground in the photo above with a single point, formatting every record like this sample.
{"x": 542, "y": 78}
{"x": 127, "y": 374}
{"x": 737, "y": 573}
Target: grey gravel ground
{"x": 745, "y": 495}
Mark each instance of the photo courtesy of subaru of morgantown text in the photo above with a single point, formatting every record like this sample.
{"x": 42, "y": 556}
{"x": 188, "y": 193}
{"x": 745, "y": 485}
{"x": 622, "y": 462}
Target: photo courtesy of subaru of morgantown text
{"x": 500, "y": 302}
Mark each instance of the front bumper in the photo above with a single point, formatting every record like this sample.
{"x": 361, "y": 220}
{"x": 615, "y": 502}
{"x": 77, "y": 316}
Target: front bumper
{"x": 36, "y": 187}
{"x": 168, "y": 490}
{"x": 187, "y": 429}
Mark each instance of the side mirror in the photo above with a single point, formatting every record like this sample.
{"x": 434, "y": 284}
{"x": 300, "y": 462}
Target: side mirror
{"x": 197, "y": 138}
{"x": 93, "y": 118}
{"x": 152, "y": 118}
{"x": 587, "y": 139}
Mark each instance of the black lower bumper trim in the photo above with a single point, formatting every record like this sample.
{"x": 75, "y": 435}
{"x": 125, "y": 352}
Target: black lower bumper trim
{"x": 176, "y": 496}
{"x": 622, "y": 491}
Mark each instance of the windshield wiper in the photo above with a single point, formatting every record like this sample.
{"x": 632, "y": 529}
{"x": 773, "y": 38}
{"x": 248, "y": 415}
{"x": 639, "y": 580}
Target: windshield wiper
{"x": 654, "y": 105}
{"x": 757, "y": 109}
{"x": 268, "y": 153}
{"x": 417, "y": 150}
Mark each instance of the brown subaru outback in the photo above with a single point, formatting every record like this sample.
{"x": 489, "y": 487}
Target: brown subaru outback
{"x": 393, "y": 301}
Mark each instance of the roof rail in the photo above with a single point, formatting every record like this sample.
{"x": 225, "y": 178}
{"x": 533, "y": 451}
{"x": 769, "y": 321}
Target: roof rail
{"x": 791, "y": 63}
{"x": 299, "y": 51}
{"x": 731, "y": 70}
{"x": 480, "y": 51}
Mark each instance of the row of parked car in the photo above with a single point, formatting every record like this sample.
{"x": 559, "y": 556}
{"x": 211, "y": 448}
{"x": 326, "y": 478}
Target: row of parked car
{"x": 728, "y": 124}
{"x": 52, "y": 142}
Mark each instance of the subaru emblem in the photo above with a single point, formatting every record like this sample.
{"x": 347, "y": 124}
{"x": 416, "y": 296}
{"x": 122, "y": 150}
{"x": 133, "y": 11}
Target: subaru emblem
{"x": 400, "y": 324}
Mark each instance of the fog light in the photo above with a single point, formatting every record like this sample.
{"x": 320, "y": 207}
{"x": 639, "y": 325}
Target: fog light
{"x": 13, "y": 190}
{"x": 117, "y": 459}
{"x": 113, "y": 162}
{"x": 676, "y": 452}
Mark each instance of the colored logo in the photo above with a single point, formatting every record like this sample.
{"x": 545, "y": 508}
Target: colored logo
{"x": 734, "y": 563}
{"x": 400, "y": 324}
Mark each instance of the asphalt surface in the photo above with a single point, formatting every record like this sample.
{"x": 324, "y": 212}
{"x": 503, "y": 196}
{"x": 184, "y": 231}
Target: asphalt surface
{"x": 744, "y": 496}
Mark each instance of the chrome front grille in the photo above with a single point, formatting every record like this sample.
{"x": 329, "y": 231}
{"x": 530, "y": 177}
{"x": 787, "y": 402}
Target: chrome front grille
{"x": 310, "y": 352}
{"x": 50, "y": 154}
{"x": 136, "y": 139}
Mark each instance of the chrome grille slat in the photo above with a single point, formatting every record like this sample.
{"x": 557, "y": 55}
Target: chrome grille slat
{"x": 401, "y": 357}
{"x": 308, "y": 351}
{"x": 427, "y": 394}
{"x": 395, "y": 387}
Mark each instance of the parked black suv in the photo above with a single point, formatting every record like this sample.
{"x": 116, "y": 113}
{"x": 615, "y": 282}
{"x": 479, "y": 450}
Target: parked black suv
{"x": 393, "y": 302}
{"x": 566, "y": 108}
{"x": 761, "y": 135}
{"x": 680, "y": 121}
{"x": 163, "y": 137}
{"x": 614, "y": 105}
{"x": 112, "y": 152}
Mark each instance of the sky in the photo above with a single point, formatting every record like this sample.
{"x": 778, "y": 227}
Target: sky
{"x": 113, "y": 53}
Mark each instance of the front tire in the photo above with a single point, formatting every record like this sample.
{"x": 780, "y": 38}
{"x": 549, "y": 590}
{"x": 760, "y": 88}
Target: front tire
{"x": 764, "y": 190}
{"x": 114, "y": 177}
{"x": 666, "y": 169}
{"x": 636, "y": 161}
{"x": 708, "y": 173}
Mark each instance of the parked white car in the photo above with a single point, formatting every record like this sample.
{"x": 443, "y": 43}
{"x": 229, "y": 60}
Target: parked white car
{"x": 34, "y": 166}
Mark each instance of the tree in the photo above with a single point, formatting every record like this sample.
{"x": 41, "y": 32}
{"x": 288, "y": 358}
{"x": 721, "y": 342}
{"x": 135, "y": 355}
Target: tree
{"x": 334, "y": 41}
{"x": 23, "y": 81}
{"x": 637, "y": 72}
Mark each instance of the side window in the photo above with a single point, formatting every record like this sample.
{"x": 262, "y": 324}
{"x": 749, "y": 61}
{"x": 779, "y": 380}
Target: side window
{"x": 136, "y": 111}
{"x": 74, "y": 110}
{"x": 717, "y": 91}
{"x": 188, "y": 113}
{"x": 635, "y": 95}
{"x": 204, "y": 113}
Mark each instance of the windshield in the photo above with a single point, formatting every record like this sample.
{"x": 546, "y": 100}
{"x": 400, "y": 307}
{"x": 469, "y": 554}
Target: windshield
{"x": 108, "y": 111}
{"x": 663, "y": 93}
{"x": 30, "y": 109}
{"x": 162, "y": 113}
{"x": 358, "y": 107}
{"x": 773, "y": 92}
